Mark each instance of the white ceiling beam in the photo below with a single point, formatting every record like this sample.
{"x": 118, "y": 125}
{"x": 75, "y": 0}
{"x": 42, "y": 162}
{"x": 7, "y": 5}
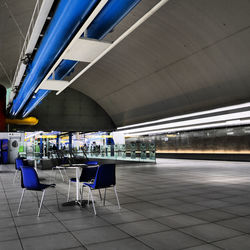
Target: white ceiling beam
{"x": 96, "y": 11}
{"x": 53, "y": 85}
{"x": 86, "y": 50}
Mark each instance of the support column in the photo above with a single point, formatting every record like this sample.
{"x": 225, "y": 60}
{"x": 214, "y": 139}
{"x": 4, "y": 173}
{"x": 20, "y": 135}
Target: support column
{"x": 57, "y": 141}
{"x": 70, "y": 141}
{"x": 41, "y": 148}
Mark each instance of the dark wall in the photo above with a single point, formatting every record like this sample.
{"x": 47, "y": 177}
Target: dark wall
{"x": 234, "y": 140}
{"x": 70, "y": 111}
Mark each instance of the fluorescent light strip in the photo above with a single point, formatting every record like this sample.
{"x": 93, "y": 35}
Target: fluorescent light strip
{"x": 243, "y": 105}
{"x": 218, "y": 118}
{"x": 33, "y": 134}
{"x": 205, "y": 126}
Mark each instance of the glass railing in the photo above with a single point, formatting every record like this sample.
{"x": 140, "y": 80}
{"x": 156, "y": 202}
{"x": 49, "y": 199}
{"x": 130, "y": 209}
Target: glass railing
{"x": 142, "y": 152}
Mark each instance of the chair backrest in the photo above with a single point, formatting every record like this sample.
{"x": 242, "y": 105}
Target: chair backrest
{"x": 19, "y": 163}
{"x": 88, "y": 174}
{"x": 29, "y": 178}
{"x": 105, "y": 176}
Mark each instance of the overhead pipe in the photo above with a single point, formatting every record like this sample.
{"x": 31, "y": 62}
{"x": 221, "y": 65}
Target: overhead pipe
{"x": 68, "y": 17}
{"x": 113, "y": 12}
{"x": 64, "y": 69}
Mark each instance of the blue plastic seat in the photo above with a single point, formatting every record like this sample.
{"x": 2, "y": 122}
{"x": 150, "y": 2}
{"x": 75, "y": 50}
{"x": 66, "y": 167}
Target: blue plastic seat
{"x": 18, "y": 165}
{"x": 105, "y": 178}
{"x": 30, "y": 181}
{"x": 87, "y": 175}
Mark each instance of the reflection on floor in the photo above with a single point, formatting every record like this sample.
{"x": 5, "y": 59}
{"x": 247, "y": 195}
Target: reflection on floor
{"x": 175, "y": 204}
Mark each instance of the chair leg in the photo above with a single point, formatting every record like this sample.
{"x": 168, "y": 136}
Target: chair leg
{"x": 20, "y": 203}
{"x": 15, "y": 176}
{"x": 117, "y": 197}
{"x": 41, "y": 203}
{"x": 81, "y": 188}
{"x": 55, "y": 174}
{"x": 100, "y": 194}
{"x": 104, "y": 198}
{"x": 57, "y": 200}
{"x": 65, "y": 172}
{"x": 37, "y": 199}
{"x": 61, "y": 174}
{"x": 88, "y": 197}
{"x": 93, "y": 203}
{"x": 52, "y": 172}
{"x": 68, "y": 191}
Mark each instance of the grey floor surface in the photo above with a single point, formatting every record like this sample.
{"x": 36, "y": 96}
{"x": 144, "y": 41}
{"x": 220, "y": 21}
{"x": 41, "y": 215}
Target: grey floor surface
{"x": 174, "y": 204}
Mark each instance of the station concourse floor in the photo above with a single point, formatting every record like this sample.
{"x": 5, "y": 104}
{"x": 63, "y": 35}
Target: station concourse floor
{"x": 174, "y": 204}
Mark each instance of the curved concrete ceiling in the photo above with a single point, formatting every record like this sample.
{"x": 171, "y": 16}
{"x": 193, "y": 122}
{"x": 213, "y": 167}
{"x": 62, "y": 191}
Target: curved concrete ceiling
{"x": 191, "y": 55}
{"x": 15, "y": 17}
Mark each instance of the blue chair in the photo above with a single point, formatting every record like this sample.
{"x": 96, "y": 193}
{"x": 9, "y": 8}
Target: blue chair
{"x": 87, "y": 175}
{"x": 30, "y": 181}
{"x": 18, "y": 165}
{"x": 105, "y": 178}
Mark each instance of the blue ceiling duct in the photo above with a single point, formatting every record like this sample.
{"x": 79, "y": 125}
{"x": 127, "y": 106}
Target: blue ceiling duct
{"x": 113, "y": 12}
{"x": 64, "y": 69}
{"x": 68, "y": 17}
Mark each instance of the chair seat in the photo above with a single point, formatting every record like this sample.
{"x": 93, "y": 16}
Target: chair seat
{"x": 80, "y": 180}
{"x": 41, "y": 187}
{"x": 92, "y": 185}
{"x": 89, "y": 184}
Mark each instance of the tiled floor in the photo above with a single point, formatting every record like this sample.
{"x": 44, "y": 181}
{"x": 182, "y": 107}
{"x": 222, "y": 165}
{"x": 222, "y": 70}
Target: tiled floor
{"x": 175, "y": 204}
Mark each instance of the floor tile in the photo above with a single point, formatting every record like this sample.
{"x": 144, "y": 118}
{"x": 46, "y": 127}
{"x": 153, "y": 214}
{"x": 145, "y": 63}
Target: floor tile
{"x": 180, "y": 220}
{"x": 118, "y": 218}
{"x": 84, "y": 223}
{"x": 33, "y": 219}
{"x": 210, "y": 232}
{"x": 203, "y": 247}
{"x": 8, "y": 233}
{"x": 10, "y": 245}
{"x": 241, "y": 210}
{"x": 171, "y": 240}
{"x": 99, "y": 234}
{"x": 237, "y": 243}
{"x": 41, "y": 229}
{"x": 126, "y": 244}
{"x": 6, "y": 222}
{"x": 156, "y": 212}
{"x": 51, "y": 242}
{"x": 213, "y": 203}
{"x": 241, "y": 224}
{"x": 212, "y": 215}
{"x": 142, "y": 227}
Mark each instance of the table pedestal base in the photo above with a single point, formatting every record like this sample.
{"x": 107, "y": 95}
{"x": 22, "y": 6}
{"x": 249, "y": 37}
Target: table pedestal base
{"x": 79, "y": 203}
